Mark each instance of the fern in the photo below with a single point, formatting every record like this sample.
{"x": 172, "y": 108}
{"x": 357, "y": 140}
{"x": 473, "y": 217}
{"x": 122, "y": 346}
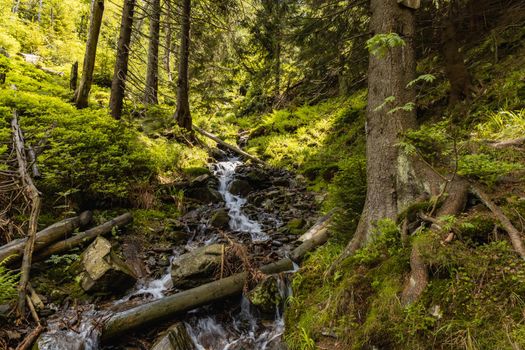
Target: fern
{"x": 8, "y": 283}
{"x": 379, "y": 44}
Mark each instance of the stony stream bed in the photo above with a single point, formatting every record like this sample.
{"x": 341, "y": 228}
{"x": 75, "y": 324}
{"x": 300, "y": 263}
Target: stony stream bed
{"x": 257, "y": 213}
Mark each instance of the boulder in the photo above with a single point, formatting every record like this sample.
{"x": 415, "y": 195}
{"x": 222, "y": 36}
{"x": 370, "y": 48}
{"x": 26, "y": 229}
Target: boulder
{"x": 203, "y": 194}
{"x": 220, "y": 219}
{"x": 196, "y": 267}
{"x": 175, "y": 338}
{"x": 240, "y": 187}
{"x": 101, "y": 270}
{"x": 266, "y": 296}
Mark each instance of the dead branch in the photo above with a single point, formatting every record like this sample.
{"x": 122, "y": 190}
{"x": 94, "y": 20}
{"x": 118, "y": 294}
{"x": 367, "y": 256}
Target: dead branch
{"x": 33, "y": 196}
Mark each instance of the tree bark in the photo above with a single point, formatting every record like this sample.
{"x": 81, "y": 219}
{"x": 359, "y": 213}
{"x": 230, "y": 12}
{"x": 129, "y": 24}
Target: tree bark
{"x": 169, "y": 306}
{"x": 73, "y": 78}
{"x": 183, "y": 114}
{"x": 45, "y": 237}
{"x": 152, "y": 74}
{"x": 168, "y": 44}
{"x": 84, "y": 237}
{"x": 387, "y": 184}
{"x": 455, "y": 69}
{"x": 118, "y": 84}
{"x": 82, "y": 93}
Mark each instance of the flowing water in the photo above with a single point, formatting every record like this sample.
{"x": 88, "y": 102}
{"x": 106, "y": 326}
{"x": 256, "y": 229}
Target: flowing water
{"x": 241, "y": 330}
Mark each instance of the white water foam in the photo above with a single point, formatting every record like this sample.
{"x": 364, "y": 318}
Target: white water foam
{"x": 225, "y": 171}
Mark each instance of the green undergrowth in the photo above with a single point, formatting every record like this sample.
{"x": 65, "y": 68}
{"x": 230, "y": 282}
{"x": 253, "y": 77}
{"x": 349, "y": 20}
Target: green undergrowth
{"x": 474, "y": 300}
{"x": 87, "y": 158}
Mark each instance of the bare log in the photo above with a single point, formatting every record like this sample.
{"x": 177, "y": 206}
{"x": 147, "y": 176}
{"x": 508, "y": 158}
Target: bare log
{"x": 84, "y": 237}
{"x": 33, "y": 195}
{"x": 321, "y": 225}
{"x": 169, "y": 306}
{"x": 227, "y": 145}
{"x": 45, "y": 237}
{"x": 32, "y": 159}
{"x": 514, "y": 234}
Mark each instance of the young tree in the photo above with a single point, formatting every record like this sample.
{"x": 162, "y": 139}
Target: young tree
{"x": 183, "y": 114}
{"x": 82, "y": 92}
{"x": 152, "y": 79}
{"x": 118, "y": 84}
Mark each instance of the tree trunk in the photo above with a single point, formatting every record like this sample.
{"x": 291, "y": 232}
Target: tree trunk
{"x": 40, "y": 5}
{"x": 45, "y": 237}
{"x": 16, "y": 6}
{"x": 168, "y": 44}
{"x": 118, "y": 84}
{"x": 183, "y": 114}
{"x": 74, "y": 76}
{"x": 82, "y": 93}
{"x": 387, "y": 190}
{"x": 455, "y": 69}
{"x": 152, "y": 78}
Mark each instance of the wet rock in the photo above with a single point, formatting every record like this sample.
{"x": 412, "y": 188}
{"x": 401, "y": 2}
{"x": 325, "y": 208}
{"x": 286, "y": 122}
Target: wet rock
{"x": 220, "y": 219}
{"x": 175, "y": 338}
{"x": 196, "y": 267}
{"x": 265, "y": 296}
{"x": 240, "y": 187}
{"x": 102, "y": 270}
{"x": 59, "y": 341}
{"x": 203, "y": 194}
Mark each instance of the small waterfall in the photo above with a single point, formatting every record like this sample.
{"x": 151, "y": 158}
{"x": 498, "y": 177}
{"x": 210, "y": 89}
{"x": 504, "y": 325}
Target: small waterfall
{"x": 225, "y": 171}
{"x": 243, "y": 331}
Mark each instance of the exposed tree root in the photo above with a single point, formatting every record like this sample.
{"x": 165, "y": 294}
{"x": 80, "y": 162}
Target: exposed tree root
{"x": 454, "y": 204}
{"x": 514, "y": 234}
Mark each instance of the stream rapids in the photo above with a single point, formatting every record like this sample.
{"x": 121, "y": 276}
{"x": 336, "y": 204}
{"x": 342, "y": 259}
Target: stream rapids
{"x": 239, "y": 327}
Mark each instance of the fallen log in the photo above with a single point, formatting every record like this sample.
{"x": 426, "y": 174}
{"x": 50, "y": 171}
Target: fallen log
{"x": 322, "y": 224}
{"x": 169, "y": 306}
{"x": 45, "y": 237}
{"x": 514, "y": 234}
{"x": 227, "y": 145}
{"x": 84, "y": 237}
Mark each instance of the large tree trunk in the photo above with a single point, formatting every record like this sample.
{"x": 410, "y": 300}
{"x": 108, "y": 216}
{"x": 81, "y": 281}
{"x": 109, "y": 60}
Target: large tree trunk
{"x": 152, "y": 78}
{"x": 387, "y": 187}
{"x": 455, "y": 69}
{"x": 182, "y": 114}
{"x": 82, "y": 93}
{"x": 118, "y": 84}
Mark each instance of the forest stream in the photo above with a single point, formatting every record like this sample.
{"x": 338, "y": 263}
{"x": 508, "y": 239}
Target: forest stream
{"x": 238, "y": 325}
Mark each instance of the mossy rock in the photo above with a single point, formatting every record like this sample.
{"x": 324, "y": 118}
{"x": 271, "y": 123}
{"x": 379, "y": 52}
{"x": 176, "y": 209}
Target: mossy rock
{"x": 220, "y": 219}
{"x": 266, "y": 296}
{"x": 196, "y": 171}
{"x": 296, "y": 226}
